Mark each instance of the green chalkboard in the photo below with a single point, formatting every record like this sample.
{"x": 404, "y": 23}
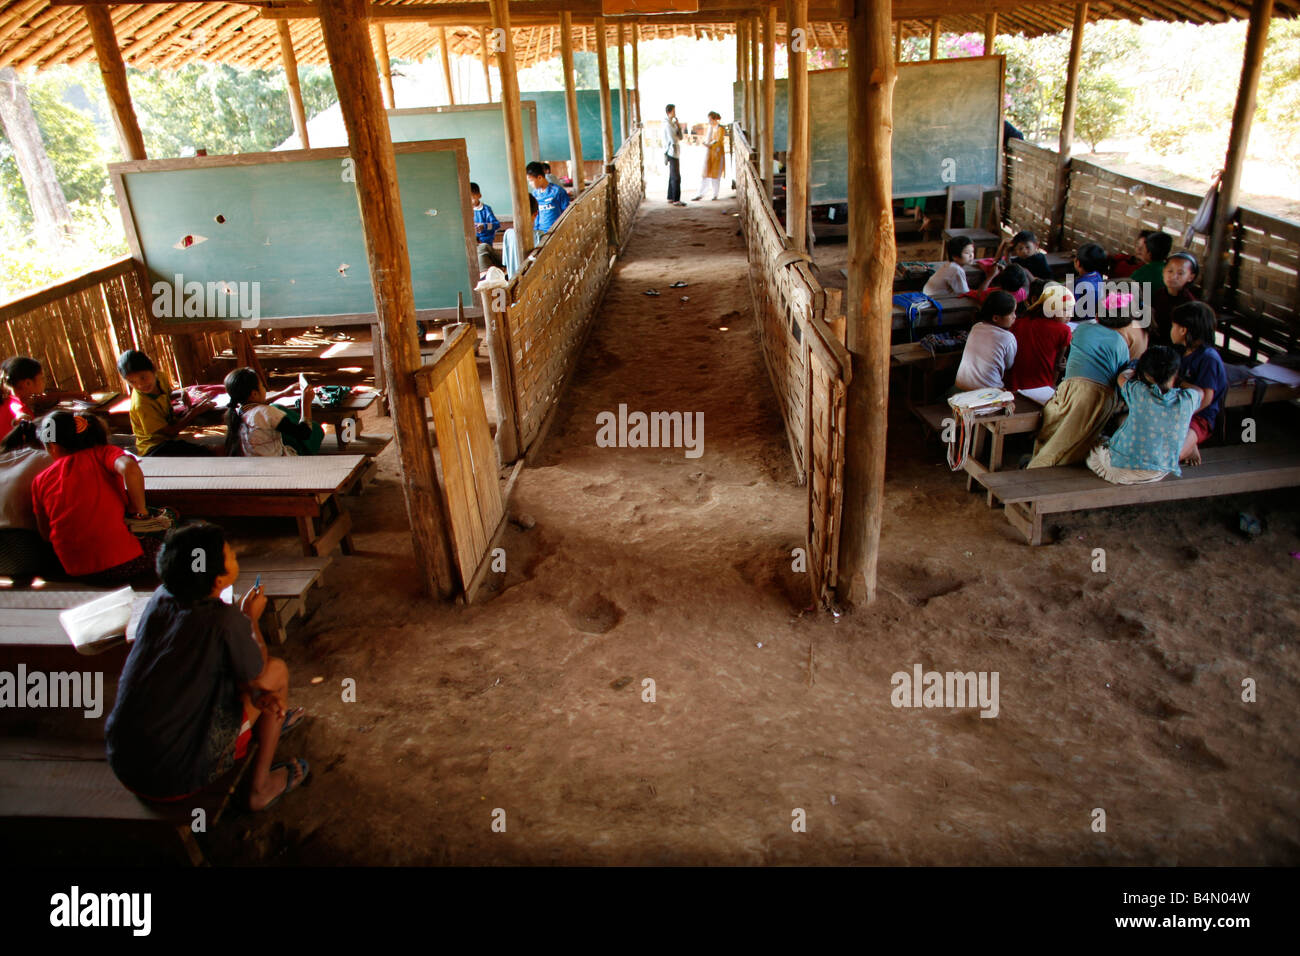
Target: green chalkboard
{"x": 267, "y": 239}
{"x": 553, "y": 123}
{"x": 947, "y": 127}
{"x": 482, "y": 126}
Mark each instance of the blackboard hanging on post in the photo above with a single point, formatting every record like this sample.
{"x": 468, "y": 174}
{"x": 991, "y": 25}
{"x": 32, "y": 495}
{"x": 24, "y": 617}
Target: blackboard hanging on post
{"x": 265, "y": 240}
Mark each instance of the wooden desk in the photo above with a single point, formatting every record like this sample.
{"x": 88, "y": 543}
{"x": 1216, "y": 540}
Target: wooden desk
{"x": 307, "y": 489}
{"x": 1059, "y": 264}
{"x": 1026, "y": 418}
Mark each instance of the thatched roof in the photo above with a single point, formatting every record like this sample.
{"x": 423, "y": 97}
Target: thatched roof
{"x": 37, "y": 34}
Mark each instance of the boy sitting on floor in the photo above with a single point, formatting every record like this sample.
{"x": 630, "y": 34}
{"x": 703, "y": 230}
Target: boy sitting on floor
{"x": 1202, "y": 367}
{"x": 197, "y": 681}
{"x": 153, "y": 422}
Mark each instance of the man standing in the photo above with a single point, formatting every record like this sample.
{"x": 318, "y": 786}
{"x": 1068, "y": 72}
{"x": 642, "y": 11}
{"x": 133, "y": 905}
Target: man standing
{"x": 672, "y": 155}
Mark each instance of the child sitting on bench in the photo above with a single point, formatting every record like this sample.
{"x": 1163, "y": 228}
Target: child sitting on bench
{"x": 23, "y": 552}
{"x": 256, "y": 428}
{"x": 950, "y": 278}
{"x": 486, "y": 225}
{"x": 198, "y": 680}
{"x": 24, "y": 392}
{"x": 1042, "y": 337}
{"x": 1170, "y": 293}
{"x": 1148, "y": 444}
{"x": 1011, "y": 278}
{"x": 153, "y": 422}
{"x": 1024, "y": 253}
{"x": 990, "y": 346}
{"x": 1089, "y": 260}
{"x": 83, "y": 500}
{"x": 1201, "y": 366}
{"x": 1085, "y": 400}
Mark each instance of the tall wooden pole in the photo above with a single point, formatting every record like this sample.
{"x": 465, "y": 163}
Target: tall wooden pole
{"x": 291, "y": 77}
{"x": 934, "y": 40}
{"x": 636, "y": 69}
{"x": 347, "y": 42}
{"x": 796, "y": 167}
{"x": 385, "y": 65}
{"x": 755, "y": 91}
{"x": 113, "y": 70}
{"x": 514, "y": 126}
{"x": 602, "y": 65}
{"x": 742, "y": 77}
{"x": 571, "y": 99}
{"x": 1066, "y": 142}
{"x": 769, "y": 93}
{"x": 622, "y": 86}
{"x": 446, "y": 65}
{"x": 990, "y": 32}
{"x": 487, "y": 70}
{"x": 898, "y": 42}
{"x": 872, "y": 73}
{"x": 1225, "y": 210}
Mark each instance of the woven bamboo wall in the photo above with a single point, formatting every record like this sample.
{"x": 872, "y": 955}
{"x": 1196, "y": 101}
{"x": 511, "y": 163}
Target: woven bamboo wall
{"x": 828, "y": 376}
{"x": 552, "y": 303}
{"x": 1266, "y": 283}
{"x": 1108, "y": 208}
{"x": 1030, "y": 187}
{"x": 629, "y": 175}
{"x": 76, "y": 329}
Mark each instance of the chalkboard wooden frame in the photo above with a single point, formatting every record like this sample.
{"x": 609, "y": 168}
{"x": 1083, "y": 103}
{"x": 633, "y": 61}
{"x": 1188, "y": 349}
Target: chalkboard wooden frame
{"x": 118, "y": 172}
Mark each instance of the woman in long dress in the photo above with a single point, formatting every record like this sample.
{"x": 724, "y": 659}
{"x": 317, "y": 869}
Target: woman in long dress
{"x": 715, "y": 142}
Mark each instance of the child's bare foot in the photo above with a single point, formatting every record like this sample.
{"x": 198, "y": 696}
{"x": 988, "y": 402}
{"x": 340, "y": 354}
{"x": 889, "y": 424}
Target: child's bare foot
{"x": 1193, "y": 457}
{"x": 283, "y": 778}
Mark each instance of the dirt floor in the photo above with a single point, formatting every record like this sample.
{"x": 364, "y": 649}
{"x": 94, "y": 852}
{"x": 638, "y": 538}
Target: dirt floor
{"x": 1119, "y": 690}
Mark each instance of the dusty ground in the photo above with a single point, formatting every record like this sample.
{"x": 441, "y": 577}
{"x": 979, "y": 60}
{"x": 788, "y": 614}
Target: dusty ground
{"x": 1119, "y": 690}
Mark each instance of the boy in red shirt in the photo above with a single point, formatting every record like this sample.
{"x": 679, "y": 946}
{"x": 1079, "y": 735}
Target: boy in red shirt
{"x": 1042, "y": 337}
{"x": 83, "y": 499}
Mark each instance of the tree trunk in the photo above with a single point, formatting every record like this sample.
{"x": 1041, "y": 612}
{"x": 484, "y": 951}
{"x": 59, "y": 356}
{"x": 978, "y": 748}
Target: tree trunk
{"x": 49, "y": 205}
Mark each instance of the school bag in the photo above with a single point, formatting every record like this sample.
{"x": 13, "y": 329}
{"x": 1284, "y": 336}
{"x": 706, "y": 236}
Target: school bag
{"x": 966, "y": 408}
{"x": 914, "y": 302}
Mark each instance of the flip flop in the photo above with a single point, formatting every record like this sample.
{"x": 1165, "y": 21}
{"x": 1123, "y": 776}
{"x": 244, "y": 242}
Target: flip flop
{"x": 290, "y": 785}
{"x": 292, "y": 719}
{"x": 650, "y": 292}
{"x": 679, "y": 284}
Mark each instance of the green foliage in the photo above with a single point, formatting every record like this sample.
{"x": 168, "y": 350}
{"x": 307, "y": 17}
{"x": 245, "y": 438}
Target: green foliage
{"x": 1102, "y": 102}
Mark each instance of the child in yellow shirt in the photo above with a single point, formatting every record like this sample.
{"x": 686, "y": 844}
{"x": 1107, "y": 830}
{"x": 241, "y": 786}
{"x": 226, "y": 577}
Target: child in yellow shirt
{"x": 153, "y": 421}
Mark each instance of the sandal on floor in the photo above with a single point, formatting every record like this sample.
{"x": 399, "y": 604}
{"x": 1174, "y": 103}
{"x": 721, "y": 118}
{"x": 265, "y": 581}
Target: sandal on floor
{"x": 292, "y": 784}
{"x": 292, "y": 719}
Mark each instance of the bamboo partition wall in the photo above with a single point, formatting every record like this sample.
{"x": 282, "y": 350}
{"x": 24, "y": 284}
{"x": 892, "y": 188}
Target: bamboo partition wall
{"x": 629, "y": 183}
{"x": 809, "y": 367}
{"x": 76, "y": 329}
{"x": 1260, "y": 305}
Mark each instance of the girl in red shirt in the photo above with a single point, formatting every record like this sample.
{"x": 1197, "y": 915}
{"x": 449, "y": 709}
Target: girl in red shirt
{"x": 82, "y": 502}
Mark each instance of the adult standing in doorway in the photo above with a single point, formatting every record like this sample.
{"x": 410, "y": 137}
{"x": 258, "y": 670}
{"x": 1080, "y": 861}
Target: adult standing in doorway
{"x": 672, "y": 154}
{"x": 715, "y": 143}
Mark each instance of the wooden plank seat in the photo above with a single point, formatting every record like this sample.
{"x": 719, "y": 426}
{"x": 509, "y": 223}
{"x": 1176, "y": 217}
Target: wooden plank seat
{"x": 29, "y": 617}
{"x": 1030, "y": 494}
{"x": 315, "y": 356}
{"x": 71, "y": 780}
{"x": 309, "y": 490}
{"x": 959, "y": 311}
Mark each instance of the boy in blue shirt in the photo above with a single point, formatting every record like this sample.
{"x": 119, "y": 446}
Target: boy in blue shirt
{"x": 486, "y": 225}
{"x": 552, "y": 200}
{"x": 1088, "y": 293}
{"x": 1193, "y": 327}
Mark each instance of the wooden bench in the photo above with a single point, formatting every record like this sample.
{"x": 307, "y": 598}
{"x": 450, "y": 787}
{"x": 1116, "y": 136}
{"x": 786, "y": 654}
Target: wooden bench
{"x": 1059, "y": 264}
{"x": 307, "y": 489}
{"x": 1032, "y": 493}
{"x": 29, "y": 617}
{"x": 71, "y": 780}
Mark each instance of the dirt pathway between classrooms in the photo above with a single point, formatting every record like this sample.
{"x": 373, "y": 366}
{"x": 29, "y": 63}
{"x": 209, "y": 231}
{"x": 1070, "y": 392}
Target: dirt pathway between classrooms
{"x": 1118, "y": 690}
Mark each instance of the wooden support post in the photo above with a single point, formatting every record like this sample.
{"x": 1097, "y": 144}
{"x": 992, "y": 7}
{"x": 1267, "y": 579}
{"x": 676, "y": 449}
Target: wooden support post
{"x": 990, "y": 32}
{"x": 514, "y": 126}
{"x": 623, "y": 119}
{"x": 872, "y": 73}
{"x": 742, "y": 77}
{"x": 1225, "y": 209}
{"x": 1066, "y": 142}
{"x": 898, "y": 42}
{"x": 385, "y": 65}
{"x": 446, "y": 66}
{"x": 295, "y": 88}
{"x": 636, "y": 70}
{"x": 571, "y": 99}
{"x": 796, "y": 167}
{"x": 487, "y": 70}
{"x": 113, "y": 70}
{"x": 934, "y": 40}
{"x": 769, "y": 95}
{"x": 602, "y": 65}
{"x": 755, "y": 96}
{"x": 347, "y": 42}
{"x": 503, "y": 390}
